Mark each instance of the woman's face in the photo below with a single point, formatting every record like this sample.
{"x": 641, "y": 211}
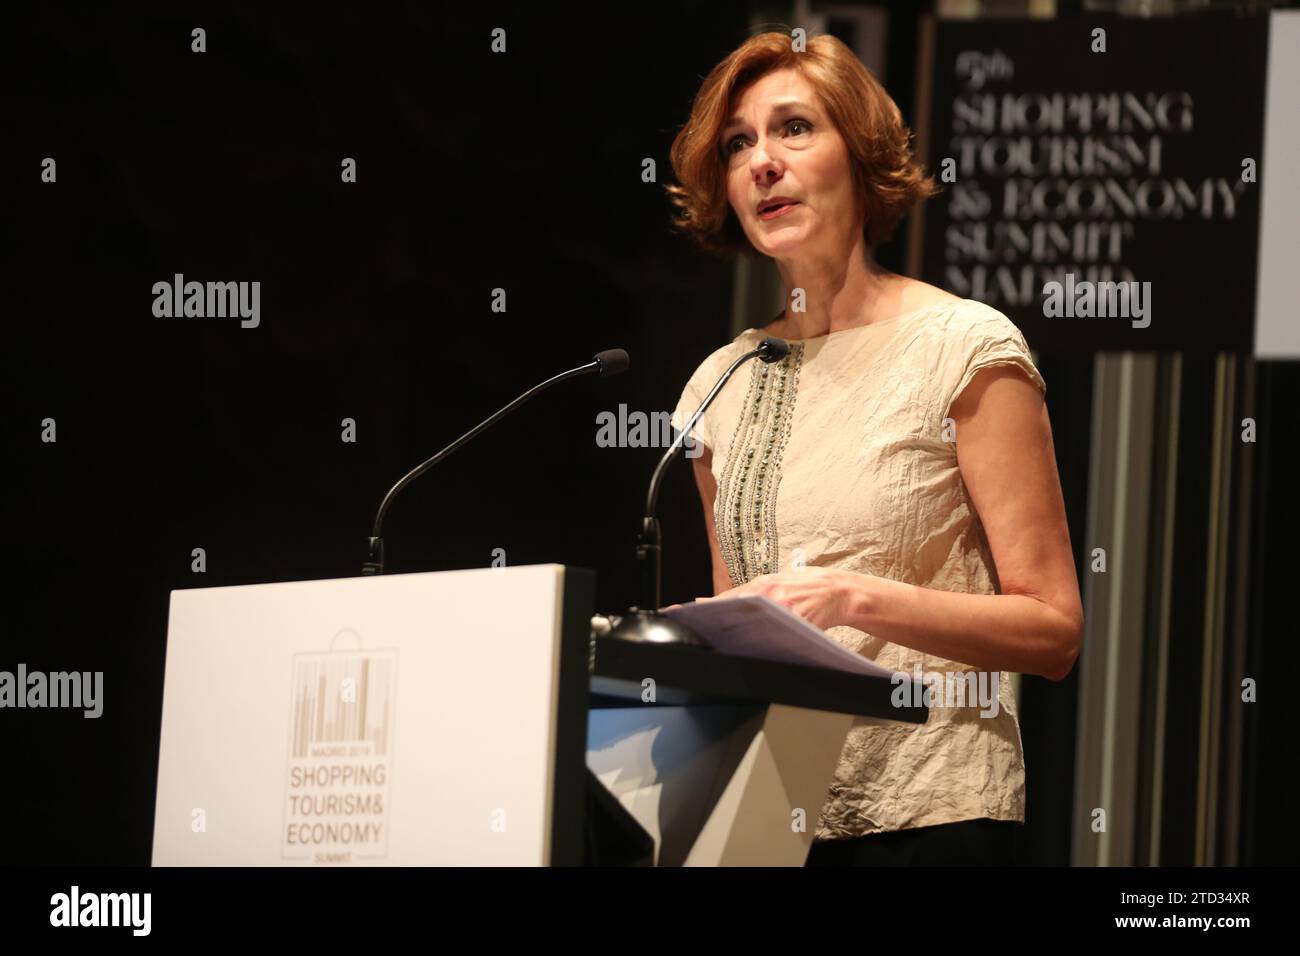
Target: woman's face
{"x": 782, "y": 145}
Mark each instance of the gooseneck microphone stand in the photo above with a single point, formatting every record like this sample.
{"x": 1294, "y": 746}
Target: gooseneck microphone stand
{"x": 606, "y": 363}
{"x": 646, "y": 623}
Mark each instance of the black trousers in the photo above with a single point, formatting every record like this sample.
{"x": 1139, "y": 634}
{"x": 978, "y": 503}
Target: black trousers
{"x": 966, "y": 843}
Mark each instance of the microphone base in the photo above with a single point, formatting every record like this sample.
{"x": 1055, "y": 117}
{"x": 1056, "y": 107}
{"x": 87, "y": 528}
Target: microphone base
{"x": 651, "y": 627}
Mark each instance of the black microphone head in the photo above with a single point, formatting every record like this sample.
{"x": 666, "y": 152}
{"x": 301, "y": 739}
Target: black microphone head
{"x": 772, "y": 349}
{"x": 612, "y": 362}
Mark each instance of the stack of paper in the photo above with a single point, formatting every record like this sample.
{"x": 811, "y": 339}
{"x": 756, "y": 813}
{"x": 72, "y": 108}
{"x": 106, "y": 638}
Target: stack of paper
{"x": 751, "y": 625}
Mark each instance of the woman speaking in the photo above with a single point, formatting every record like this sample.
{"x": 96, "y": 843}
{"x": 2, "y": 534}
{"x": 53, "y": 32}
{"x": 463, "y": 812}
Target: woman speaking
{"x": 892, "y": 480}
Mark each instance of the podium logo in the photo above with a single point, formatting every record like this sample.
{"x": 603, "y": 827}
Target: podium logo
{"x": 340, "y": 731}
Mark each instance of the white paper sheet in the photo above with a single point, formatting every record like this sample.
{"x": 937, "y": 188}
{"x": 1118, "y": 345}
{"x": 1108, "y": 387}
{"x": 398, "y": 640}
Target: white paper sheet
{"x": 751, "y": 625}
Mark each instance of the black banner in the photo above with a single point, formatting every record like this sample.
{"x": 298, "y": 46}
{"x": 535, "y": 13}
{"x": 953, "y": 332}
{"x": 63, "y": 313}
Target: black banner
{"x": 1117, "y": 158}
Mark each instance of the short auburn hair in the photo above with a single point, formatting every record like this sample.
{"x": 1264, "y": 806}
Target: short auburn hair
{"x": 889, "y": 180}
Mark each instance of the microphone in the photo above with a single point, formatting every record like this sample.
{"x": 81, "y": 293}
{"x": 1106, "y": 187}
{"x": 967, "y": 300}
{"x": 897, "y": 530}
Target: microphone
{"x": 606, "y": 363}
{"x": 646, "y": 623}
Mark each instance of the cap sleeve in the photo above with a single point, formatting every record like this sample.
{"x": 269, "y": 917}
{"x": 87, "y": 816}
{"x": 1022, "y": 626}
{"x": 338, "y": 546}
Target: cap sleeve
{"x": 694, "y": 392}
{"x": 992, "y": 339}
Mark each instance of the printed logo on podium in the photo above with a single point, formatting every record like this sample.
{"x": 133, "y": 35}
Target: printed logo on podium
{"x": 339, "y": 769}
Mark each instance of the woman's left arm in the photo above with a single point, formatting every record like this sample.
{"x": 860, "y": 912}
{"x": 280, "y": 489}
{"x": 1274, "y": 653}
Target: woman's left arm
{"x": 1035, "y": 625}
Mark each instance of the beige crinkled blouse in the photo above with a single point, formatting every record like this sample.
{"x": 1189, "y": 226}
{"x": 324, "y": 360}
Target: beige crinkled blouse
{"x": 835, "y": 457}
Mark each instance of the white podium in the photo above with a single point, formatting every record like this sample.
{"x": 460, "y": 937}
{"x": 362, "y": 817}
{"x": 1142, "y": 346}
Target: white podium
{"x": 465, "y": 717}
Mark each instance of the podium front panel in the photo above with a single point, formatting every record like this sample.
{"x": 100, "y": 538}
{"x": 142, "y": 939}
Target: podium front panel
{"x": 391, "y": 720}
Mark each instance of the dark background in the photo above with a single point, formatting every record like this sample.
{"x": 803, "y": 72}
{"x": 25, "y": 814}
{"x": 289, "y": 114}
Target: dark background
{"x": 475, "y": 171}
